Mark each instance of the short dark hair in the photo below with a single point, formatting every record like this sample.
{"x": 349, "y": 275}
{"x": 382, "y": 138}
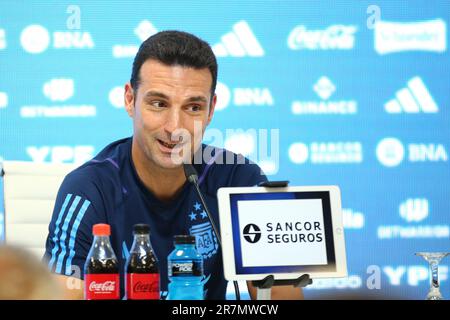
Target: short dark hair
{"x": 175, "y": 48}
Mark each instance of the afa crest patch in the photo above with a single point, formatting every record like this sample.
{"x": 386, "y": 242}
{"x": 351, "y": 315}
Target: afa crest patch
{"x": 207, "y": 244}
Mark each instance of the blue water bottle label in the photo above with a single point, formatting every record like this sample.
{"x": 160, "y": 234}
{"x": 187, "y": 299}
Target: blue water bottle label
{"x": 185, "y": 268}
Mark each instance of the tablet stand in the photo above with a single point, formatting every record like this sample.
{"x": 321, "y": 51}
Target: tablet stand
{"x": 264, "y": 286}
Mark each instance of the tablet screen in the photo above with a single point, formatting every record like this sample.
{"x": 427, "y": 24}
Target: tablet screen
{"x": 288, "y": 232}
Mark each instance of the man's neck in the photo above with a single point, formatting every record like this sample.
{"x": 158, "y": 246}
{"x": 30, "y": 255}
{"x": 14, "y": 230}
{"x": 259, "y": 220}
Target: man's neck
{"x": 163, "y": 183}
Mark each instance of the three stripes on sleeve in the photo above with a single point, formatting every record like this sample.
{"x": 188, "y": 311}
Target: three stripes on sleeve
{"x": 65, "y": 231}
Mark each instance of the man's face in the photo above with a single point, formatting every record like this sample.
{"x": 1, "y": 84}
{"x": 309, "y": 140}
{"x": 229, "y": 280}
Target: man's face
{"x": 169, "y": 100}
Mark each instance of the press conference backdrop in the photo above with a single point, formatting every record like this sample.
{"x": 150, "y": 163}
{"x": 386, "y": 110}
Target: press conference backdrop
{"x": 351, "y": 93}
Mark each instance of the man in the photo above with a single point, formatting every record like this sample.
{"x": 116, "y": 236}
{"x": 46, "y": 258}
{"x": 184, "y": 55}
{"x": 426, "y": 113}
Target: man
{"x": 171, "y": 100}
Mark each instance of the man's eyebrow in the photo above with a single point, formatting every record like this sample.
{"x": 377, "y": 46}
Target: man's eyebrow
{"x": 197, "y": 98}
{"x": 164, "y": 96}
{"x": 156, "y": 94}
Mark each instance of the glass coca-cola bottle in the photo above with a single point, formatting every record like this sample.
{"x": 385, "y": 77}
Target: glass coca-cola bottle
{"x": 141, "y": 267}
{"x": 101, "y": 270}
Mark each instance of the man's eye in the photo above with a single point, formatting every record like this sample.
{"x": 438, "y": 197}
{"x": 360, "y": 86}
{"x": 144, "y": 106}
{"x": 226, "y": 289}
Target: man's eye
{"x": 158, "y": 104}
{"x": 195, "y": 108}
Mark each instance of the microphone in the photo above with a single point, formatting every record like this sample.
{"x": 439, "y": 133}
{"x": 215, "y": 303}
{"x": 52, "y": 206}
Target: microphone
{"x": 192, "y": 177}
{"x": 190, "y": 173}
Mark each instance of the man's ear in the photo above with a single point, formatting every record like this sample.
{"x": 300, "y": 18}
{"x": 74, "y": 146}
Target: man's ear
{"x": 129, "y": 99}
{"x": 212, "y": 107}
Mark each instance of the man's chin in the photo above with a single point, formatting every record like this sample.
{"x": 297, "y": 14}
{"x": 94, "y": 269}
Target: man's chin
{"x": 169, "y": 163}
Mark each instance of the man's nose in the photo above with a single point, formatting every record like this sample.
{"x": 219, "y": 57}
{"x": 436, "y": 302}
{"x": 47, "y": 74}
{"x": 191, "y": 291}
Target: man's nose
{"x": 173, "y": 121}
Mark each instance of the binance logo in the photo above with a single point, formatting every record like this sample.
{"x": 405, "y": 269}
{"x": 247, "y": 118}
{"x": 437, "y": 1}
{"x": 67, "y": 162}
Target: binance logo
{"x": 252, "y": 233}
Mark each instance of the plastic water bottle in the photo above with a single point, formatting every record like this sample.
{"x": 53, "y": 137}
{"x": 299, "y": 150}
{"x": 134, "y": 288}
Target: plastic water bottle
{"x": 185, "y": 270}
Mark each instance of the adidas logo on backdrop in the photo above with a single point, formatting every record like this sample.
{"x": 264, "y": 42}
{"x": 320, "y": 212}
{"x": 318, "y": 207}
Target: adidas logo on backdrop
{"x": 240, "y": 42}
{"x": 415, "y": 98}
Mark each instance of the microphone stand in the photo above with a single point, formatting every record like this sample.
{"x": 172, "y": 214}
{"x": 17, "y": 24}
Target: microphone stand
{"x": 192, "y": 177}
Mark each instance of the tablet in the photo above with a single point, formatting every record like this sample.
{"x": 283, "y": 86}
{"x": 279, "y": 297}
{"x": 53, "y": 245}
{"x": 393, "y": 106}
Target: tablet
{"x": 285, "y": 232}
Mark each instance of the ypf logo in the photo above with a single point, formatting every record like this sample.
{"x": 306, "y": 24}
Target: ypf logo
{"x": 252, "y": 233}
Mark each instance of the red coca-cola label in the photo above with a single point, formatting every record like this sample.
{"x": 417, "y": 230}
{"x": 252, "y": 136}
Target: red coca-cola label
{"x": 142, "y": 286}
{"x": 102, "y": 286}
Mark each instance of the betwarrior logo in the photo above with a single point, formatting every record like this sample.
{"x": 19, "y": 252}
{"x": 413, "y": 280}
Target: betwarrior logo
{"x": 252, "y": 233}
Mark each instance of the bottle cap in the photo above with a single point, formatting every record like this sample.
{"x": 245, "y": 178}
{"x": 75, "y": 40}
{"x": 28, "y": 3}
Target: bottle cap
{"x": 141, "y": 229}
{"x": 101, "y": 229}
{"x": 184, "y": 239}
